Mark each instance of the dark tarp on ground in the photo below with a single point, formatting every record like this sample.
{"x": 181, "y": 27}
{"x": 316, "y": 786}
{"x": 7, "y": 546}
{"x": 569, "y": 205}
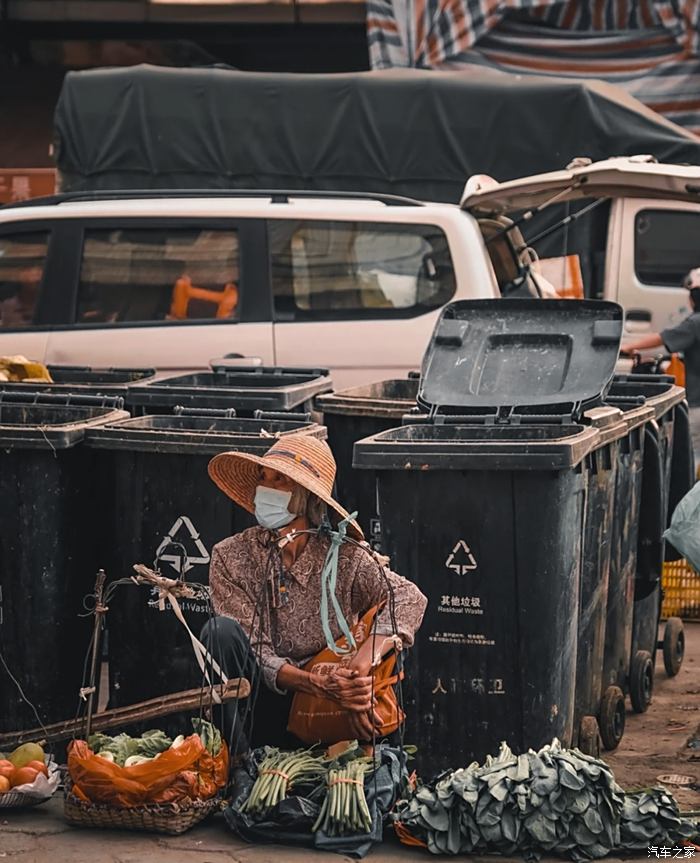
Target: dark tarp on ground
{"x": 404, "y": 131}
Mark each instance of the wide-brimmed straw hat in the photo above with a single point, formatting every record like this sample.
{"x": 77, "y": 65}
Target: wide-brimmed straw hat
{"x": 304, "y": 459}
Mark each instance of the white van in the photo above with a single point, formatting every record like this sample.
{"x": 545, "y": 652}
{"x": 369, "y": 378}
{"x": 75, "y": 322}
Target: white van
{"x": 352, "y": 283}
{"x": 653, "y": 230}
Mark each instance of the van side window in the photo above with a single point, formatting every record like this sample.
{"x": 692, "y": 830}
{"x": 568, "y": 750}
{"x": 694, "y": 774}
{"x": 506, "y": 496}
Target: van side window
{"x": 322, "y": 270}
{"x": 158, "y": 274}
{"x": 22, "y": 261}
{"x": 666, "y": 246}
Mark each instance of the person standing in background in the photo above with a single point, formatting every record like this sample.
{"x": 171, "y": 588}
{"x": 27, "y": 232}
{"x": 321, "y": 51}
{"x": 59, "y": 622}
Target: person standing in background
{"x": 683, "y": 338}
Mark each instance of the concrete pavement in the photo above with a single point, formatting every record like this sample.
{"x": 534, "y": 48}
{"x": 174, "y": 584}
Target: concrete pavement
{"x": 654, "y": 744}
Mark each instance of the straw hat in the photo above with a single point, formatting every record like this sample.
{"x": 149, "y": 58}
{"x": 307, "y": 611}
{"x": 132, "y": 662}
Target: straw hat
{"x": 304, "y": 459}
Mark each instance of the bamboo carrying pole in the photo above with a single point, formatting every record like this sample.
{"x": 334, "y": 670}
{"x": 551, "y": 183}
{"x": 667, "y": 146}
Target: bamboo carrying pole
{"x": 191, "y": 699}
{"x": 237, "y": 687}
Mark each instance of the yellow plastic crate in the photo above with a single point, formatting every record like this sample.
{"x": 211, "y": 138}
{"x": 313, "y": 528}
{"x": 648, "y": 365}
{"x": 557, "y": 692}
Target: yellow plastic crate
{"x": 681, "y": 585}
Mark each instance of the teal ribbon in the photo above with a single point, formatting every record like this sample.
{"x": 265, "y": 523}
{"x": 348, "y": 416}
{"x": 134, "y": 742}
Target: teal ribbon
{"x": 329, "y": 579}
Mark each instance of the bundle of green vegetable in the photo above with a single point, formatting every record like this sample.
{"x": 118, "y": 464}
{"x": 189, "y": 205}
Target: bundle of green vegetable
{"x": 554, "y": 800}
{"x": 127, "y": 751}
{"x": 345, "y": 807}
{"x": 278, "y": 774}
{"x": 338, "y": 780}
{"x": 651, "y": 818}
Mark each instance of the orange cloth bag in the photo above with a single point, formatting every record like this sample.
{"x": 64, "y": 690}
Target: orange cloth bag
{"x": 321, "y": 720}
{"x": 186, "y": 773}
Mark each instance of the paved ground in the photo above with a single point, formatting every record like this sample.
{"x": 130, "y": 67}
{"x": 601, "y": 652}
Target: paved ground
{"x": 654, "y": 744}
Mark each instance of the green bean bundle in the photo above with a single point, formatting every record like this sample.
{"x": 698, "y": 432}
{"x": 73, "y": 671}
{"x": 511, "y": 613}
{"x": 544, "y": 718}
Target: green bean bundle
{"x": 278, "y": 773}
{"x": 345, "y": 807}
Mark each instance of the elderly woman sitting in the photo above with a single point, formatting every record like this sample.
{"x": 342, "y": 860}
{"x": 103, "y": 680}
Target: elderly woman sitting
{"x": 266, "y": 585}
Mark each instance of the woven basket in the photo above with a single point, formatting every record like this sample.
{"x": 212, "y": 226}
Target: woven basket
{"x": 170, "y": 818}
{"x": 681, "y": 586}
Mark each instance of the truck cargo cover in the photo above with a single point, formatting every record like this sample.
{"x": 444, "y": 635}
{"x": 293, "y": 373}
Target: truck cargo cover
{"x": 408, "y": 132}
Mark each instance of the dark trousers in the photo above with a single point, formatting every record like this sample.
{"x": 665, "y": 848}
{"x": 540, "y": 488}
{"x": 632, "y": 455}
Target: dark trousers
{"x": 267, "y": 712}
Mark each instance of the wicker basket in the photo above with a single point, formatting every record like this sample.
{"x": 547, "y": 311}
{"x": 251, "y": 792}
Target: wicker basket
{"x": 170, "y": 818}
{"x": 681, "y": 586}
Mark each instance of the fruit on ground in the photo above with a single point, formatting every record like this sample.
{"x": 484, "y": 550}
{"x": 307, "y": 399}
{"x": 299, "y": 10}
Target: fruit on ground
{"x": 23, "y": 776}
{"x": 25, "y": 753}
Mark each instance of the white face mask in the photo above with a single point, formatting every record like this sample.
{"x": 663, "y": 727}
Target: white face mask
{"x": 271, "y": 507}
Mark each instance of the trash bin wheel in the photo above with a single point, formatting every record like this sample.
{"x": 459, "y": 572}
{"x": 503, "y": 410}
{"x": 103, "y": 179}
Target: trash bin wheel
{"x": 641, "y": 681}
{"x": 674, "y": 646}
{"x": 589, "y": 736}
{"x": 612, "y": 717}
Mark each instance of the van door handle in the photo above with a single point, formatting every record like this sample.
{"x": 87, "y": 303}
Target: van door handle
{"x": 233, "y": 361}
{"x": 638, "y": 321}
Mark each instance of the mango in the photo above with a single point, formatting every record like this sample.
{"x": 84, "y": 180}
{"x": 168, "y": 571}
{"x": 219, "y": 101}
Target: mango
{"x": 25, "y": 753}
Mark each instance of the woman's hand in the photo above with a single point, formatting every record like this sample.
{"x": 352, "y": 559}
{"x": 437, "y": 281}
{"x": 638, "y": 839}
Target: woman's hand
{"x": 365, "y": 725}
{"x": 352, "y": 691}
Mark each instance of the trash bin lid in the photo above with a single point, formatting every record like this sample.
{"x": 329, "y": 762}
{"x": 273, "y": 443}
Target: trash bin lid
{"x": 658, "y": 391}
{"x": 52, "y": 422}
{"x": 520, "y": 356}
{"x": 247, "y": 388}
{"x": 90, "y": 375}
{"x": 197, "y": 435}
{"x": 83, "y": 380}
{"x": 390, "y": 399}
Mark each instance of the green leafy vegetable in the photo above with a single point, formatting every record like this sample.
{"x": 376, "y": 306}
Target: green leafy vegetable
{"x": 554, "y": 800}
{"x": 123, "y": 747}
{"x": 209, "y": 735}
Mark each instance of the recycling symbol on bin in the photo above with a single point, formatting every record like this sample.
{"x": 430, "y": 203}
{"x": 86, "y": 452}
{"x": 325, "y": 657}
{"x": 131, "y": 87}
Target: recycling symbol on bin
{"x": 461, "y": 559}
{"x": 182, "y": 533}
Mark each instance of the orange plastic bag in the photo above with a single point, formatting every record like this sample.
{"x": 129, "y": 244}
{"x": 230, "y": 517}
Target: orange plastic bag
{"x": 406, "y": 837}
{"x": 676, "y": 367}
{"x": 188, "y": 772}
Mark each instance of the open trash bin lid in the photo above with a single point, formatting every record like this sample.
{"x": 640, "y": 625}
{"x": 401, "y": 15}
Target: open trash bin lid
{"x": 518, "y": 356}
{"x": 245, "y": 389}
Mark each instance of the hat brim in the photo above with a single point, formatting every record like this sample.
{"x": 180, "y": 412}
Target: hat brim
{"x": 237, "y": 474}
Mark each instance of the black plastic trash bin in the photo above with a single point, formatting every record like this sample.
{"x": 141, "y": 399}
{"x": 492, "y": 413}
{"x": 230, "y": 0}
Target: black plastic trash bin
{"x": 667, "y": 476}
{"x": 243, "y": 389}
{"x": 49, "y": 523}
{"x": 356, "y": 413}
{"x": 593, "y": 702}
{"x": 623, "y": 536}
{"x": 166, "y": 509}
{"x": 482, "y": 505}
{"x": 85, "y": 380}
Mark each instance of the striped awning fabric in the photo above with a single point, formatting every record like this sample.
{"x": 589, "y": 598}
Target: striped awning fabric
{"x": 651, "y": 48}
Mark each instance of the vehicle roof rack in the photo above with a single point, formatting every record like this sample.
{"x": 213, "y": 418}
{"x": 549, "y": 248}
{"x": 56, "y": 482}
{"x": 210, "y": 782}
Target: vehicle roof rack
{"x": 278, "y": 196}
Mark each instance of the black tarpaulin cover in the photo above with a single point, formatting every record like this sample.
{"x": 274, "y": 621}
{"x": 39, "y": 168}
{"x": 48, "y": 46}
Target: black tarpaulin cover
{"x": 408, "y": 132}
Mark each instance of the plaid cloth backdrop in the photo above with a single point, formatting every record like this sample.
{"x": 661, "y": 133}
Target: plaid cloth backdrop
{"x": 651, "y": 48}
